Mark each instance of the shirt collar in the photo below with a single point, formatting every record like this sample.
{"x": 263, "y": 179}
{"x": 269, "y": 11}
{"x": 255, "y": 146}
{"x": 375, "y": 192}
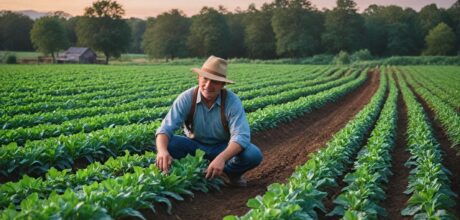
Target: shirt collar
{"x": 218, "y": 99}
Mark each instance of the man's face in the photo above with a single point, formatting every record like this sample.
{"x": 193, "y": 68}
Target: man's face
{"x": 210, "y": 89}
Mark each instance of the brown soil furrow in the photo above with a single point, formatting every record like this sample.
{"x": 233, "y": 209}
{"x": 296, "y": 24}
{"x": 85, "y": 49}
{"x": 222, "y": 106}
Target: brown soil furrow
{"x": 284, "y": 148}
{"x": 450, "y": 159}
{"x": 396, "y": 199}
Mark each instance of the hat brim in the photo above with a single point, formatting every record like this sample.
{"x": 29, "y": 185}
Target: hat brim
{"x": 211, "y": 76}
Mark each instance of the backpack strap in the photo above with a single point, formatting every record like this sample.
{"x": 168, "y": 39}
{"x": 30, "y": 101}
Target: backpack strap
{"x": 191, "y": 114}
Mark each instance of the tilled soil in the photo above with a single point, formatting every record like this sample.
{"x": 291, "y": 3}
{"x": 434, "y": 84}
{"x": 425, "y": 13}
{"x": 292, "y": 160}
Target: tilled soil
{"x": 284, "y": 148}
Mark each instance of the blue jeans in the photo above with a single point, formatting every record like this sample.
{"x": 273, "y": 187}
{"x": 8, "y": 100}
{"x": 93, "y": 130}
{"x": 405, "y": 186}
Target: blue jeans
{"x": 180, "y": 146}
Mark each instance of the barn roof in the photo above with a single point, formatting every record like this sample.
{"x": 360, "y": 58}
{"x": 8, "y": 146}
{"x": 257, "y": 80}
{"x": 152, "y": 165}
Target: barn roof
{"x": 76, "y": 50}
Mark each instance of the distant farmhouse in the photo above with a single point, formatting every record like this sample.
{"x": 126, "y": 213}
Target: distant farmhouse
{"x": 78, "y": 55}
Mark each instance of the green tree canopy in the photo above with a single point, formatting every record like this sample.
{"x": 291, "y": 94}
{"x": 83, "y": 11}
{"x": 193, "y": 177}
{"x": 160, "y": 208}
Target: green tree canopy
{"x": 15, "y": 31}
{"x": 49, "y": 35}
{"x": 344, "y": 28}
{"x": 454, "y": 14}
{"x": 235, "y": 23}
{"x": 137, "y": 27}
{"x": 259, "y": 38}
{"x": 209, "y": 34}
{"x": 71, "y": 26}
{"x": 297, "y": 27}
{"x": 392, "y": 30}
{"x": 376, "y": 31}
{"x": 105, "y": 8}
{"x": 102, "y": 29}
{"x": 166, "y": 37}
{"x": 430, "y": 16}
{"x": 440, "y": 40}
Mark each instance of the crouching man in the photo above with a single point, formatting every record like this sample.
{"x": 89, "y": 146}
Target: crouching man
{"x": 214, "y": 121}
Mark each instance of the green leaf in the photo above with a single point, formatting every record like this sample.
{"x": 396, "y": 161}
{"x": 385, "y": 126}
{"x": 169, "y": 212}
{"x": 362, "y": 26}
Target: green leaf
{"x": 411, "y": 210}
{"x": 230, "y": 217}
{"x": 173, "y": 195}
{"x": 253, "y": 203}
{"x": 130, "y": 212}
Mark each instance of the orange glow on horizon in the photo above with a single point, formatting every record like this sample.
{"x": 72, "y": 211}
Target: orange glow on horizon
{"x": 149, "y": 8}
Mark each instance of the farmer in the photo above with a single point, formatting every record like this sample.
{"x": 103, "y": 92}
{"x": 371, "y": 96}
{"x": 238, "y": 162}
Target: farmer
{"x": 214, "y": 121}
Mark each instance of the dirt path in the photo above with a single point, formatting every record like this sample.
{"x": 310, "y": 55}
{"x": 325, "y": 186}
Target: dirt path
{"x": 450, "y": 160}
{"x": 396, "y": 199}
{"x": 284, "y": 148}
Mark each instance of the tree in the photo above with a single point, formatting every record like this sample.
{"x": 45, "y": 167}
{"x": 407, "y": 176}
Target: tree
{"x": 376, "y": 31}
{"x": 297, "y": 27}
{"x": 105, "y": 8}
{"x": 440, "y": 40}
{"x": 167, "y": 36}
{"x": 343, "y": 28}
{"x": 454, "y": 14}
{"x": 15, "y": 31}
{"x": 400, "y": 41}
{"x": 49, "y": 36}
{"x": 259, "y": 38}
{"x": 392, "y": 30}
{"x": 137, "y": 27}
{"x": 102, "y": 29}
{"x": 71, "y": 26}
{"x": 209, "y": 34}
{"x": 430, "y": 16}
{"x": 235, "y": 23}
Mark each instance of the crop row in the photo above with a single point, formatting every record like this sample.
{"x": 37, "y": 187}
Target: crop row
{"x": 365, "y": 185}
{"x": 120, "y": 196}
{"x": 271, "y": 115}
{"x": 43, "y": 107}
{"x": 73, "y": 101}
{"x": 448, "y": 117}
{"x": 429, "y": 185}
{"x": 443, "y": 77}
{"x": 84, "y": 125}
{"x": 250, "y": 94}
{"x": 23, "y": 81}
{"x": 436, "y": 90}
{"x": 302, "y": 194}
{"x": 136, "y": 86}
{"x": 59, "y": 181}
{"x": 291, "y": 95}
{"x": 161, "y": 76}
{"x": 58, "y": 116}
{"x": 68, "y": 109}
{"x": 36, "y": 157}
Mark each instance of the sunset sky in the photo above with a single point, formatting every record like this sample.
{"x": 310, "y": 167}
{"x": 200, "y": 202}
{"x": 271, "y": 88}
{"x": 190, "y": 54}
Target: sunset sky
{"x": 147, "y": 8}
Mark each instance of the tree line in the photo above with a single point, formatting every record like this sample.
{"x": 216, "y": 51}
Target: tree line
{"x": 280, "y": 29}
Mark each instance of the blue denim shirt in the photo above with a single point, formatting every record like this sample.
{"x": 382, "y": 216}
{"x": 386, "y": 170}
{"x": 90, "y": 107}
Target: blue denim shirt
{"x": 207, "y": 124}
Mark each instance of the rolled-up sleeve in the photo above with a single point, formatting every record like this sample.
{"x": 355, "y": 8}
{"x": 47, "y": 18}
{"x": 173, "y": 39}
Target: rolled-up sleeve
{"x": 238, "y": 124}
{"x": 176, "y": 115}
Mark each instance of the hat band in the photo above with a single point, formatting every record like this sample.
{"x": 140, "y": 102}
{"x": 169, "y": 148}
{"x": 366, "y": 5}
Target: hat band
{"x": 214, "y": 73}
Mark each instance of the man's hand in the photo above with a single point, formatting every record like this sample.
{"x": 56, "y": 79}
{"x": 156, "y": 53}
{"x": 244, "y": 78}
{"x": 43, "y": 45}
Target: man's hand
{"x": 164, "y": 161}
{"x": 215, "y": 168}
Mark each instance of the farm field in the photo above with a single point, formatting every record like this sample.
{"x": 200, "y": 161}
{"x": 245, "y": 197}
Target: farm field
{"x": 338, "y": 141}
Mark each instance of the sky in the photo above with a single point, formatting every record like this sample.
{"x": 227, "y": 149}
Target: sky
{"x": 149, "y": 8}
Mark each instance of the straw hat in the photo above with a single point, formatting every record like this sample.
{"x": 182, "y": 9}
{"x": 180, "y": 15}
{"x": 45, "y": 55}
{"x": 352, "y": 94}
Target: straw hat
{"x": 214, "y": 68}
